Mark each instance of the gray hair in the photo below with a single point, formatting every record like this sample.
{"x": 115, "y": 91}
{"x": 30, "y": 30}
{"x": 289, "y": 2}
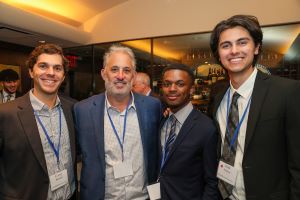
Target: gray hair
{"x": 119, "y": 48}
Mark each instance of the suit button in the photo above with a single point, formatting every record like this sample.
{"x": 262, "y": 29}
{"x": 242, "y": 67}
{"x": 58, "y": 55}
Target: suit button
{"x": 247, "y": 167}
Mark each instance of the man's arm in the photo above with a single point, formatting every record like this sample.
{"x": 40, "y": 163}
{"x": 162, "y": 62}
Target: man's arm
{"x": 293, "y": 140}
{"x": 210, "y": 166}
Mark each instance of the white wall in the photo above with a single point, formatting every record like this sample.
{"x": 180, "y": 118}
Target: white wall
{"x": 149, "y": 18}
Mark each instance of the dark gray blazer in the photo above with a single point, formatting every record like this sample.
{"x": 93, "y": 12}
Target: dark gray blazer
{"x": 271, "y": 162}
{"x": 23, "y": 170}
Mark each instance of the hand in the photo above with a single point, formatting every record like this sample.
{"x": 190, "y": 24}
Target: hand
{"x": 167, "y": 112}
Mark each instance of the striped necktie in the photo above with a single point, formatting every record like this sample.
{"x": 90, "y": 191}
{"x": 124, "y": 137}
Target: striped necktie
{"x": 228, "y": 154}
{"x": 172, "y": 135}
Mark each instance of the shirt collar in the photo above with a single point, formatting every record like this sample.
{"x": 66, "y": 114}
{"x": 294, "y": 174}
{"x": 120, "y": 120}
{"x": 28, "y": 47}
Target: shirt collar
{"x": 5, "y": 94}
{"x": 245, "y": 90}
{"x": 183, "y": 113}
{"x": 109, "y": 106}
{"x": 38, "y": 105}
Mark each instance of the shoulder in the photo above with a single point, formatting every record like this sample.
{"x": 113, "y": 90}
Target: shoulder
{"x": 201, "y": 119}
{"x": 90, "y": 101}
{"x": 146, "y": 99}
{"x": 15, "y": 105}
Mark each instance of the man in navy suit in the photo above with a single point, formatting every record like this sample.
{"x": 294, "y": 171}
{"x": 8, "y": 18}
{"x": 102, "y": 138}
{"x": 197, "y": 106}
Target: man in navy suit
{"x": 266, "y": 141}
{"x": 118, "y": 134}
{"x": 188, "y": 142}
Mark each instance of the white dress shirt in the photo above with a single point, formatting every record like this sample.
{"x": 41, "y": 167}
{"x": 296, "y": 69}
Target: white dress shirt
{"x": 245, "y": 91}
{"x": 131, "y": 187}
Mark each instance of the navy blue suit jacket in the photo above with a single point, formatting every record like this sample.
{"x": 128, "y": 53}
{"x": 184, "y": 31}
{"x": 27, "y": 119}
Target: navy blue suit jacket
{"x": 89, "y": 120}
{"x": 190, "y": 170}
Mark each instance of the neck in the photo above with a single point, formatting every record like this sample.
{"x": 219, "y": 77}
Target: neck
{"x": 147, "y": 91}
{"x": 49, "y": 100}
{"x": 237, "y": 79}
{"x": 119, "y": 102}
{"x": 176, "y": 109}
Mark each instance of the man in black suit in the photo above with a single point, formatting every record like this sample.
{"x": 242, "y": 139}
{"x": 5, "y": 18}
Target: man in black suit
{"x": 188, "y": 142}
{"x": 266, "y": 140}
{"x": 37, "y": 140}
{"x": 10, "y": 81}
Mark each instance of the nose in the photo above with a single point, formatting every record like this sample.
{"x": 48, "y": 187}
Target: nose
{"x": 50, "y": 70}
{"x": 173, "y": 87}
{"x": 120, "y": 75}
{"x": 234, "y": 49}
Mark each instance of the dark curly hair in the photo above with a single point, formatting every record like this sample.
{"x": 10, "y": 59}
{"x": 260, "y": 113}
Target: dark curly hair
{"x": 248, "y": 22}
{"x": 47, "y": 49}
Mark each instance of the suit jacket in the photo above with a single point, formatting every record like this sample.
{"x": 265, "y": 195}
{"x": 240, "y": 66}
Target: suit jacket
{"x": 190, "y": 170}
{"x": 271, "y": 162}
{"x": 89, "y": 120}
{"x": 23, "y": 170}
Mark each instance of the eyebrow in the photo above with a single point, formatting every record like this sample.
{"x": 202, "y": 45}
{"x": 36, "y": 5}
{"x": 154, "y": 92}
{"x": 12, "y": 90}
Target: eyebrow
{"x": 238, "y": 40}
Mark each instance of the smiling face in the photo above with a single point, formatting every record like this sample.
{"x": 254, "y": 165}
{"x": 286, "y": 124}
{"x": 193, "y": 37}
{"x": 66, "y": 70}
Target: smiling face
{"x": 236, "y": 50}
{"x": 47, "y": 74}
{"x": 176, "y": 89}
{"x": 118, "y": 74}
{"x": 10, "y": 86}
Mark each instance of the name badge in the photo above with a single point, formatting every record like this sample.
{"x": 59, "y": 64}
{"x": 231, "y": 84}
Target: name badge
{"x": 59, "y": 179}
{"x": 123, "y": 169}
{"x": 227, "y": 173}
{"x": 154, "y": 191}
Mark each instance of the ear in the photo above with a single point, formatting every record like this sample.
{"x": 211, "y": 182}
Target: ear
{"x": 103, "y": 73}
{"x": 256, "y": 49}
{"x": 30, "y": 73}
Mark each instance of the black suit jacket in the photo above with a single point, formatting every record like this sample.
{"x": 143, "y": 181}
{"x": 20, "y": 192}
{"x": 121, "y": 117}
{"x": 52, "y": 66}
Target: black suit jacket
{"x": 190, "y": 171}
{"x": 23, "y": 170}
{"x": 271, "y": 162}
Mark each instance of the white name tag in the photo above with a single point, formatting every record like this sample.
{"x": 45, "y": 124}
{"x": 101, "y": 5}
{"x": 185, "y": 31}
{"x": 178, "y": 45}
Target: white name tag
{"x": 59, "y": 179}
{"x": 123, "y": 169}
{"x": 227, "y": 173}
{"x": 154, "y": 191}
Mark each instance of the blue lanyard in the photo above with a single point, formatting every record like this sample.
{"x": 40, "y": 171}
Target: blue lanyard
{"x": 56, "y": 151}
{"x": 236, "y": 131}
{"x": 164, "y": 155}
{"x": 124, "y": 129}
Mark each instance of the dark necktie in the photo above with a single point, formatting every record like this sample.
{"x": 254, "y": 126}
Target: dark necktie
{"x": 172, "y": 135}
{"x": 8, "y": 98}
{"x": 228, "y": 155}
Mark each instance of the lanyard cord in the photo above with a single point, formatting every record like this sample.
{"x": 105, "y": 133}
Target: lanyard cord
{"x": 121, "y": 143}
{"x": 55, "y": 150}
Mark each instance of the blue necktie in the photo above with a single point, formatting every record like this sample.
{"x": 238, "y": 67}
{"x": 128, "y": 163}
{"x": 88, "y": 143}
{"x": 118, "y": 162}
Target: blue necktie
{"x": 172, "y": 135}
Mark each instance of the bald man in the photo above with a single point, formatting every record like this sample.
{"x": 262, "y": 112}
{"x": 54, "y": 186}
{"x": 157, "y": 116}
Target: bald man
{"x": 142, "y": 85}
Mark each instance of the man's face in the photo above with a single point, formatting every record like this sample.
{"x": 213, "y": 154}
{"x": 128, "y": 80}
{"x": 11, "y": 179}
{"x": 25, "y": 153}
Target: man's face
{"x": 176, "y": 89}
{"x": 236, "y": 49}
{"x": 118, "y": 74}
{"x": 47, "y": 74}
{"x": 10, "y": 86}
{"x": 138, "y": 85}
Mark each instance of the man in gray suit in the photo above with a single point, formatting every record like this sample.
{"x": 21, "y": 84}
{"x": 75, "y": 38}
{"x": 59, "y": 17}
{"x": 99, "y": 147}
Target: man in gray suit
{"x": 37, "y": 143}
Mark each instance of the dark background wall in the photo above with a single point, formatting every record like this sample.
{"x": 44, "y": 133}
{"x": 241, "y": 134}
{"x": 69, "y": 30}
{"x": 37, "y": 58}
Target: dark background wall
{"x": 12, "y": 54}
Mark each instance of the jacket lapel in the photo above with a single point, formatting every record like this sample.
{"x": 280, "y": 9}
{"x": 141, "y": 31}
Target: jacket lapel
{"x": 184, "y": 131}
{"x": 216, "y": 103}
{"x": 97, "y": 115}
{"x": 29, "y": 125}
{"x": 258, "y": 96}
{"x": 140, "y": 110}
{"x": 69, "y": 119}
